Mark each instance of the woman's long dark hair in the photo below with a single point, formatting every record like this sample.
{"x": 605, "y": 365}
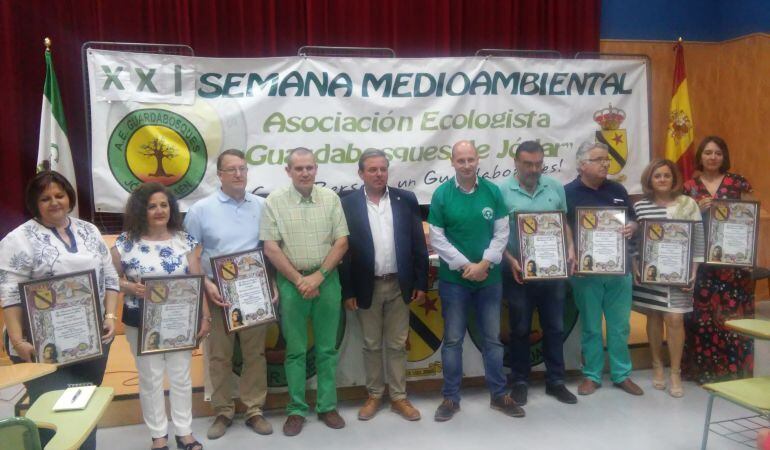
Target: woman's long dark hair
{"x": 135, "y": 217}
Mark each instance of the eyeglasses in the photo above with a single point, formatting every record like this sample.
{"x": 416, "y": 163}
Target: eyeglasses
{"x": 601, "y": 161}
{"x": 235, "y": 170}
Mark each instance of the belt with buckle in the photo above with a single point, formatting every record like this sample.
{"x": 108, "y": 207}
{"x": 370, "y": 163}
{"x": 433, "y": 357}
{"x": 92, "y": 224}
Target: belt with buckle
{"x": 386, "y": 277}
{"x": 307, "y": 272}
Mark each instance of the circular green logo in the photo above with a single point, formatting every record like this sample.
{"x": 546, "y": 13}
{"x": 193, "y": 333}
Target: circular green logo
{"x": 157, "y": 145}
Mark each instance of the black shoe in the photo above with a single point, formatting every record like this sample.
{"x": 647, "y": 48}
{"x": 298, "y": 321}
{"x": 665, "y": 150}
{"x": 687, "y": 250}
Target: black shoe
{"x": 519, "y": 393}
{"x": 507, "y": 406}
{"x": 561, "y": 393}
{"x": 446, "y": 410}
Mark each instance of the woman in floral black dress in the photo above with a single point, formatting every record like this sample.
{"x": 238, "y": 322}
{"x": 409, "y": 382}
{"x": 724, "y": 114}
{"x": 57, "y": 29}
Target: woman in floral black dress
{"x": 712, "y": 352}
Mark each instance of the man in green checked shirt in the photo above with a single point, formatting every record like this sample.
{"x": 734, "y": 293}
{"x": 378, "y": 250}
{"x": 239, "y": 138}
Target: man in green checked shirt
{"x": 305, "y": 236}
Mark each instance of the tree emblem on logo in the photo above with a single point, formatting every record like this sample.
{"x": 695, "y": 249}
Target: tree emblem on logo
{"x": 157, "y": 145}
{"x": 160, "y": 150}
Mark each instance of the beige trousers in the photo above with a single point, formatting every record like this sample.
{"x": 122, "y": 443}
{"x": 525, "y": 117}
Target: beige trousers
{"x": 385, "y": 328}
{"x": 253, "y": 380}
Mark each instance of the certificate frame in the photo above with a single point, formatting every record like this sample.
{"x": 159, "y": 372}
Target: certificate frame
{"x": 49, "y": 302}
{"x": 588, "y": 221}
{"x": 674, "y": 233}
{"x": 722, "y": 214}
{"x": 244, "y": 269}
{"x": 170, "y": 301}
{"x": 543, "y": 226}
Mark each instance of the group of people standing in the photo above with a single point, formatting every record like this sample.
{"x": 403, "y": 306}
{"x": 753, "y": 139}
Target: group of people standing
{"x": 367, "y": 251}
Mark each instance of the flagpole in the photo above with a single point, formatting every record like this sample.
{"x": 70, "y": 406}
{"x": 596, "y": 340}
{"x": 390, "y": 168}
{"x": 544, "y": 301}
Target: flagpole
{"x": 53, "y": 152}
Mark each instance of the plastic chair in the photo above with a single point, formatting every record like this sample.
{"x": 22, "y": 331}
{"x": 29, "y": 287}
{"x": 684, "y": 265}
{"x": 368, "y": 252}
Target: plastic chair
{"x": 752, "y": 394}
{"x": 19, "y": 433}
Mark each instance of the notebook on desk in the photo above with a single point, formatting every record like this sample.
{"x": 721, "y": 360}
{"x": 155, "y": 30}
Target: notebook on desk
{"x": 75, "y": 397}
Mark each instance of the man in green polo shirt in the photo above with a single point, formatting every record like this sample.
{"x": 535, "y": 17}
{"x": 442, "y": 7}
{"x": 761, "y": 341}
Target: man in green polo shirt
{"x": 469, "y": 231}
{"x": 530, "y": 191}
{"x": 305, "y": 235}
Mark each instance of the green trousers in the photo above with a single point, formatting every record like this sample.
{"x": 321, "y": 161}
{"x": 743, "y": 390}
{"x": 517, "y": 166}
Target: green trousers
{"x": 324, "y": 314}
{"x": 608, "y": 296}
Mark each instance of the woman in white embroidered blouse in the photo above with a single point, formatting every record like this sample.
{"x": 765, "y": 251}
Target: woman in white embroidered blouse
{"x": 53, "y": 243}
{"x": 154, "y": 243}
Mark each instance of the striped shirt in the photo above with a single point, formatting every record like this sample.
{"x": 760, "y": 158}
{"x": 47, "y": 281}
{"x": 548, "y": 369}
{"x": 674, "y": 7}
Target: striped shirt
{"x": 305, "y": 226}
{"x": 667, "y": 298}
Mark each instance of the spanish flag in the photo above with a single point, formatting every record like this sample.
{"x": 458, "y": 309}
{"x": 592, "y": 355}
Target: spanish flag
{"x": 680, "y": 147}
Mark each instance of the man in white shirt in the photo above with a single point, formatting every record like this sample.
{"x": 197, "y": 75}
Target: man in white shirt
{"x": 386, "y": 268}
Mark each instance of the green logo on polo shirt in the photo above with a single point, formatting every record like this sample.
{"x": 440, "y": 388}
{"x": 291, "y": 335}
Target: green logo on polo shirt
{"x": 157, "y": 145}
{"x": 488, "y": 213}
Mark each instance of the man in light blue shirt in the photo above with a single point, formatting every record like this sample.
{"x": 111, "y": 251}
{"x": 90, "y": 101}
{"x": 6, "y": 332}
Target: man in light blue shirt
{"x": 227, "y": 221}
{"x": 530, "y": 191}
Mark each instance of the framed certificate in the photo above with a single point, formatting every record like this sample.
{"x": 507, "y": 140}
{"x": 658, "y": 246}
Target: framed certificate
{"x": 171, "y": 312}
{"x": 64, "y": 319}
{"x": 244, "y": 283}
{"x": 541, "y": 245}
{"x": 666, "y": 252}
{"x": 732, "y": 233}
{"x": 601, "y": 247}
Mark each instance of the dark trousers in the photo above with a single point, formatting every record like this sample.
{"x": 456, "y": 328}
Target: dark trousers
{"x": 548, "y": 298}
{"x": 86, "y": 372}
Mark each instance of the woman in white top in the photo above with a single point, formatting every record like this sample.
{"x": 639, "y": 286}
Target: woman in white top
{"x": 53, "y": 243}
{"x": 662, "y": 185}
{"x": 154, "y": 243}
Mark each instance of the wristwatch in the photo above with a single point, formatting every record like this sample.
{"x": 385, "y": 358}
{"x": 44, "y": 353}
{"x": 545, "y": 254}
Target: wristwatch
{"x": 324, "y": 272}
{"x": 111, "y": 316}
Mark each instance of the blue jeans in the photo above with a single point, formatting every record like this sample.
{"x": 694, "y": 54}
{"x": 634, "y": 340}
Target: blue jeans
{"x": 455, "y": 301}
{"x": 548, "y": 298}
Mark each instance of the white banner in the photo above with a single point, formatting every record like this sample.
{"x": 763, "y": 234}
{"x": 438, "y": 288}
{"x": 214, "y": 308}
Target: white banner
{"x": 413, "y": 109}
